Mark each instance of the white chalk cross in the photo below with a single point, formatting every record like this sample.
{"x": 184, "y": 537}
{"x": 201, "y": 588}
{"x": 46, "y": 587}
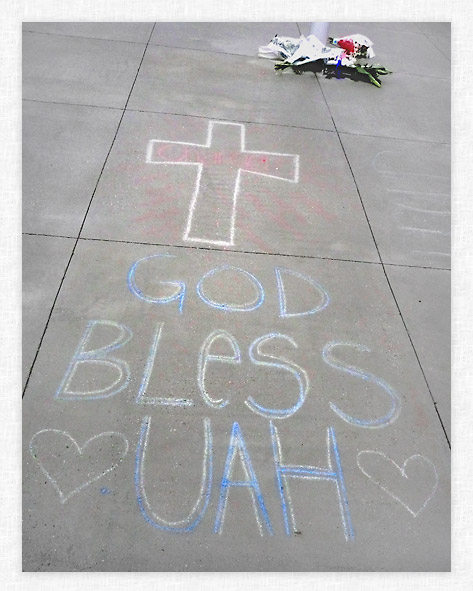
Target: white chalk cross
{"x": 219, "y": 164}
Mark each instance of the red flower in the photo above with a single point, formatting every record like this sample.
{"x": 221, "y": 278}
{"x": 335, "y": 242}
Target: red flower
{"x": 347, "y": 45}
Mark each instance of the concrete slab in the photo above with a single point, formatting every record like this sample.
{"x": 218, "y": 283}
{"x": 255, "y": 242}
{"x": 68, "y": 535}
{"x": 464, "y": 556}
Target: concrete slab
{"x": 319, "y": 215}
{"x": 435, "y": 29}
{"x": 229, "y": 87}
{"x": 439, "y": 35}
{"x": 422, "y": 295}
{"x": 44, "y": 261}
{"x": 406, "y": 107}
{"x": 64, "y": 149}
{"x": 235, "y": 38}
{"x": 99, "y": 465}
{"x": 78, "y": 70}
{"x": 132, "y": 32}
{"x": 407, "y": 183}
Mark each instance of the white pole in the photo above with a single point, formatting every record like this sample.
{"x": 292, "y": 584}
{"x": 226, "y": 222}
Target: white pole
{"x": 320, "y": 30}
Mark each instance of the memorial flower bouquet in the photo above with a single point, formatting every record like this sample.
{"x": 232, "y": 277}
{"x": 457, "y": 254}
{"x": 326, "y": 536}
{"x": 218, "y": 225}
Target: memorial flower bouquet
{"x": 345, "y": 57}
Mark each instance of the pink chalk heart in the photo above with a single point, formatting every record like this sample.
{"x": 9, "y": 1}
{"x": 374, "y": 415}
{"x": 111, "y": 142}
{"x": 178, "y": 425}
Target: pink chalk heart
{"x": 69, "y": 467}
{"x": 413, "y": 484}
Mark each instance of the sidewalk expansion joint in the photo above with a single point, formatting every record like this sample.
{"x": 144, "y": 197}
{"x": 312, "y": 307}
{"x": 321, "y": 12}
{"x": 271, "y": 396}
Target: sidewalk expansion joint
{"x": 400, "y": 139}
{"x": 239, "y": 120}
{"x": 239, "y": 55}
{"x": 428, "y": 37}
{"x": 236, "y": 251}
{"x": 73, "y": 104}
{"x": 84, "y": 37}
{"x": 384, "y": 268}
{"x": 83, "y": 221}
{"x": 226, "y": 119}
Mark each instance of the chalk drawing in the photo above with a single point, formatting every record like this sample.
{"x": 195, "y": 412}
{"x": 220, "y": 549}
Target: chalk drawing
{"x": 179, "y": 294}
{"x": 426, "y": 230}
{"x": 432, "y": 211}
{"x": 99, "y": 357}
{"x": 63, "y": 496}
{"x": 283, "y": 313}
{"x": 402, "y": 470}
{"x": 225, "y": 219}
{"x": 157, "y": 400}
{"x": 189, "y": 523}
{"x": 299, "y": 373}
{"x": 423, "y": 193}
{"x": 283, "y": 472}
{"x": 445, "y": 254}
{"x": 237, "y": 445}
{"x": 232, "y": 307}
{"x": 374, "y": 163}
{"x": 436, "y": 181}
{"x": 395, "y": 409}
{"x": 205, "y": 357}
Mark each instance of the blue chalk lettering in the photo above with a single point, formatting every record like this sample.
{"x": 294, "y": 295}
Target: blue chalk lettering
{"x": 132, "y": 286}
{"x": 99, "y": 357}
{"x": 299, "y": 373}
{"x": 246, "y": 307}
{"x": 205, "y": 357}
{"x": 190, "y": 522}
{"x": 395, "y": 400}
{"x": 141, "y": 398}
{"x": 283, "y": 313}
{"x": 237, "y": 445}
{"x": 283, "y": 472}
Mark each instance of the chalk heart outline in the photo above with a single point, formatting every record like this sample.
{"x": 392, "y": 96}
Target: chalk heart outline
{"x": 64, "y": 497}
{"x": 402, "y": 469}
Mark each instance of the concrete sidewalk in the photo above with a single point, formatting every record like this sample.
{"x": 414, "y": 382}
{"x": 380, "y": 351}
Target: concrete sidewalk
{"x": 236, "y": 331}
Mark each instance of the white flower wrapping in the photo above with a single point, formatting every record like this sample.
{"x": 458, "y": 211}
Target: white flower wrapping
{"x": 308, "y": 49}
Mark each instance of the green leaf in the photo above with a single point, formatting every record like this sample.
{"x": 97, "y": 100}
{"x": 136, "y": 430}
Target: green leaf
{"x": 374, "y": 81}
{"x": 282, "y": 66}
{"x": 364, "y": 70}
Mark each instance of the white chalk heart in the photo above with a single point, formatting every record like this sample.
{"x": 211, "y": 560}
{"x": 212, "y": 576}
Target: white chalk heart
{"x": 69, "y": 467}
{"x": 417, "y": 488}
